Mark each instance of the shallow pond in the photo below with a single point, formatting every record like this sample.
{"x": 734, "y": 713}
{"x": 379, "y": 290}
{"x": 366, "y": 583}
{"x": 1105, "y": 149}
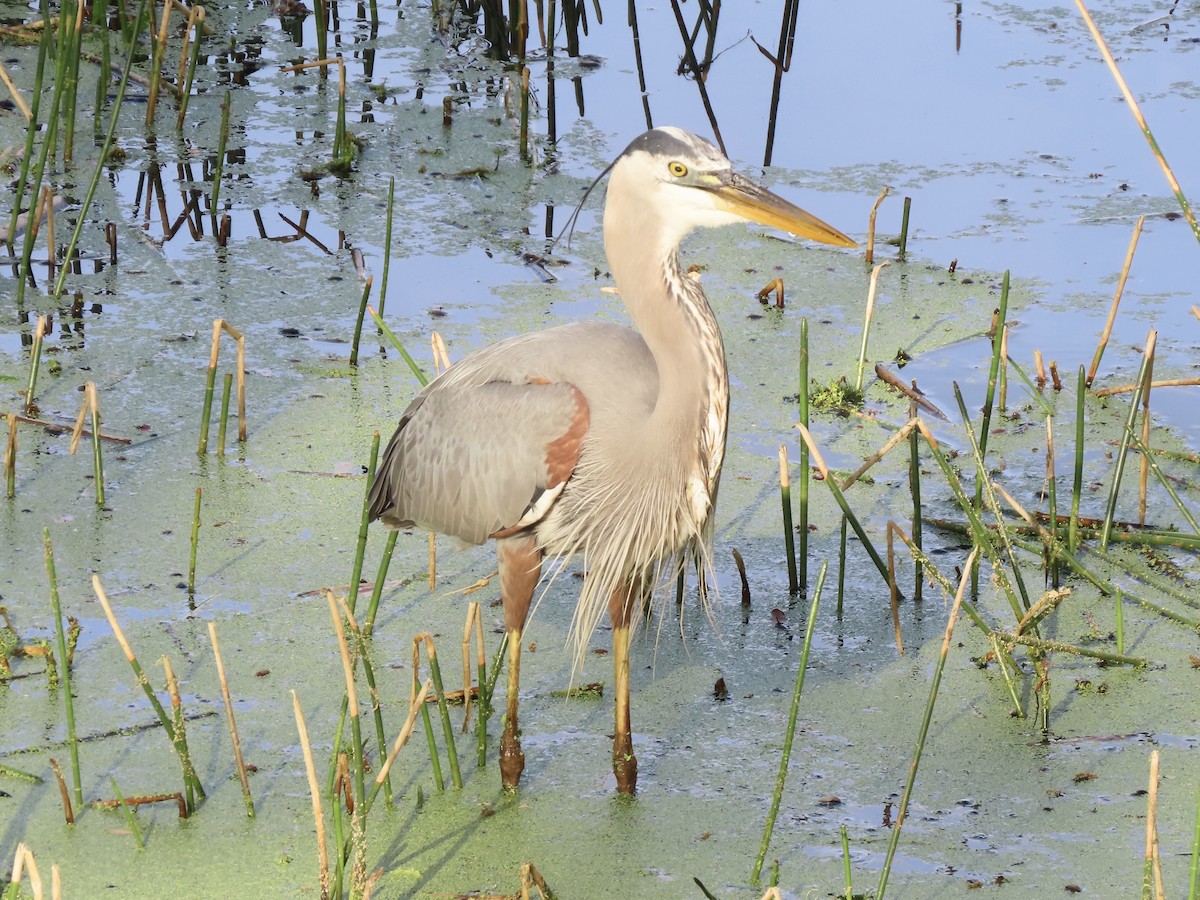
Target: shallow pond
{"x": 1008, "y": 133}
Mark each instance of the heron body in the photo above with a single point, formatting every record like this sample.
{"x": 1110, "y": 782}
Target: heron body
{"x": 593, "y": 439}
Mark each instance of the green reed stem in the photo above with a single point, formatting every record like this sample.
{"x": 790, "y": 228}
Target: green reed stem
{"x": 790, "y": 733}
{"x": 364, "y": 522}
{"x": 846, "y": 864}
{"x": 926, "y": 719}
{"x": 30, "y": 133}
{"x": 194, "y": 542}
{"x": 1077, "y": 483}
{"x": 1194, "y": 875}
{"x": 841, "y": 590}
{"x": 434, "y": 759}
{"x": 81, "y": 217}
{"x": 210, "y": 383}
{"x": 914, "y": 485}
{"x": 789, "y": 536}
{"x": 193, "y": 61}
{"x": 802, "y": 575}
{"x": 358, "y": 324}
{"x": 1120, "y": 603}
{"x": 1052, "y": 498}
{"x": 904, "y": 228}
{"x": 191, "y": 781}
{"x": 222, "y": 423}
{"x": 64, "y": 661}
{"x": 387, "y": 241}
{"x": 10, "y": 457}
{"x": 35, "y": 360}
{"x": 364, "y": 655}
{"x": 435, "y": 671}
{"x": 421, "y": 377}
{"x": 1156, "y": 469}
{"x": 377, "y": 592}
{"x": 1036, "y": 395}
{"x": 97, "y": 453}
{"x": 130, "y": 816}
{"x": 222, "y": 140}
{"x": 1135, "y": 402}
{"x": 486, "y": 709}
{"x": 993, "y": 378}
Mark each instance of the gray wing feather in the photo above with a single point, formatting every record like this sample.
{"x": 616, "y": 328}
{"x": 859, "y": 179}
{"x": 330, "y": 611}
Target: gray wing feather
{"x": 469, "y": 456}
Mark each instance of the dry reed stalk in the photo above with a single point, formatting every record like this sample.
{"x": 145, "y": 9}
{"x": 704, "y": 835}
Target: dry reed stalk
{"x": 10, "y": 456}
{"x": 416, "y": 704}
{"x": 1151, "y": 852}
{"x": 1139, "y": 118}
{"x": 16, "y": 94}
{"x": 1039, "y": 366}
{"x": 862, "y": 350}
{"x": 1126, "y": 388}
{"x": 233, "y": 732}
{"x": 473, "y": 618}
{"x": 1002, "y": 387}
{"x": 441, "y": 357}
{"x": 68, "y": 812}
{"x": 893, "y": 588}
{"x": 314, "y": 789}
{"x": 871, "y": 225}
{"x": 1143, "y": 475}
{"x": 895, "y": 440}
{"x": 1116, "y": 300}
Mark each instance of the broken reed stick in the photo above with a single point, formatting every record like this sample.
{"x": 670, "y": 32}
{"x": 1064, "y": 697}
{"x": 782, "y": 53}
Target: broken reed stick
{"x": 364, "y": 654}
{"x": 177, "y": 718}
{"x": 351, "y": 699}
{"x": 1116, "y": 301}
{"x": 10, "y": 457}
{"x": 220, "y": 326}
{"x": 1039, "y": 367}
{"x": 35, "y": 360}
{"x": 870, "y": 255}
{"x": 176, "y": 798}
{"x": 314, "y": 790}
{"x": 233, "y": 732}
{"x": 790, "y": 733}
{"x": 911, "y": 392}
{"x": 176, "y": 739}
{"x": 789, "y": 536}
{"x": 841, "y": 501}
{"x": 64, "y": 662}
{"x": 870, "y": 312}
{"x": 91, "y": 404}
{"x": 1139, "y": 118}
{"x": 68, "y": 812}
{"x": 968, "y": 567}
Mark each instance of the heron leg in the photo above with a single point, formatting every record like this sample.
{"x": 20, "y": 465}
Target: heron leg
{"x": 620, "y": 612}
{"x": 520, "y": 570}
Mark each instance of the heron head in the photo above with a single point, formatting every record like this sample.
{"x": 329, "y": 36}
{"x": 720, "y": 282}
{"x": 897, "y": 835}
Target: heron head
{"x": 689, "y": 184}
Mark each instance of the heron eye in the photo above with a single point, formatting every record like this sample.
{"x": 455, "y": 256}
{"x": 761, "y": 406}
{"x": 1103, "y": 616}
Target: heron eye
{"x": 677, "y": 169}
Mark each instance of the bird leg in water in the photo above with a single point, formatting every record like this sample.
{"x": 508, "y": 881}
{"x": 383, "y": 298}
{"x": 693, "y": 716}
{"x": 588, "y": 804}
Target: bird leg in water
{"x": 520, "y": 571}
{"x": 620, "y": 612}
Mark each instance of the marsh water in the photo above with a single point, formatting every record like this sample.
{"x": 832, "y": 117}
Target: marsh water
{"x": 1007, "y": 131}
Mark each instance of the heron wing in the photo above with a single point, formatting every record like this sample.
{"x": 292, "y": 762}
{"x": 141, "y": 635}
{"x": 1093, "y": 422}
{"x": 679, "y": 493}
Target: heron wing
{"x": 472, "y": 459}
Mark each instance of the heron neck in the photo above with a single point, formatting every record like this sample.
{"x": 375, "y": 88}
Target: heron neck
{"x": 674, "y": 318}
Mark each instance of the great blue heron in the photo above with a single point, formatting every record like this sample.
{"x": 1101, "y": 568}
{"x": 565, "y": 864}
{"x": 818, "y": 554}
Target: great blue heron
{"x": 593, "y": 438}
